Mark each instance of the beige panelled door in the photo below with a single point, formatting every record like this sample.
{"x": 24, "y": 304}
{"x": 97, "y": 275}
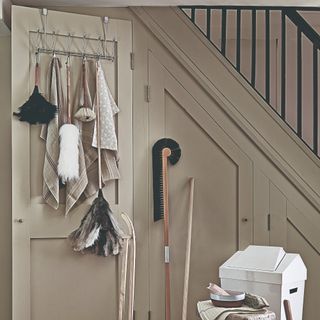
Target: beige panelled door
{"x": 223, "y": 193}
{"x": 49, "y": 280}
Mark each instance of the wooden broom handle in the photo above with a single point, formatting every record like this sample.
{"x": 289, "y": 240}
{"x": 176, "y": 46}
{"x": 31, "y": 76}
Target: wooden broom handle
{"x": 287, "y": 309}
{"x": 188, "y": 251}
{"x": 166, "y": 152}
{"x": 98, "y": 125}
{"x": 84, "y": 83}
{"x": 68, "y": 91}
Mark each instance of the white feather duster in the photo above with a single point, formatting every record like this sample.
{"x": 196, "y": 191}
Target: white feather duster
{"x": 68, "y": 164}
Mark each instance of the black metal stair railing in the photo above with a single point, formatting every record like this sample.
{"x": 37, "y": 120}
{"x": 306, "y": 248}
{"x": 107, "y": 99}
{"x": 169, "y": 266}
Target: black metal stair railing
{"x": 287, "y": 17}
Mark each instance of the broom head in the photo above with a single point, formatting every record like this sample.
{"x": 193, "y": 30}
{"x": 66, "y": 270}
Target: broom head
{"x": 157, "y": 171}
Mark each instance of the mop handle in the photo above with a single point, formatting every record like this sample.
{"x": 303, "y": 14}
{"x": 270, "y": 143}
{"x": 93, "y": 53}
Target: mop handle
{"x": 98, "y": 124}
{"x": 188, "y": 252}
{"x": 68, "y": 90}
{"x": 166, "y": 152}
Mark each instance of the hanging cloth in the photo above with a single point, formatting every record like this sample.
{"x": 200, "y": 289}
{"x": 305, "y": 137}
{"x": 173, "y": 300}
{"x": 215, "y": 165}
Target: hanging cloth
{"x": 99, "y": 230}
{"x": 108, "y": 109}
{"x": 50, "y": 133}
{"x": 109, "y": 167}
{"x": 85, "y": 112}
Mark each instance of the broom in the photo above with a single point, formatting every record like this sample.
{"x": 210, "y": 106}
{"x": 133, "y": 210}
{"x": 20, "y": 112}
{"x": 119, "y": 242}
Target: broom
{"x": 99, "y": 230}
{"x": 36, "y": 110}
{"x": 68, "y": 163}
{"x": 163, "y": 150}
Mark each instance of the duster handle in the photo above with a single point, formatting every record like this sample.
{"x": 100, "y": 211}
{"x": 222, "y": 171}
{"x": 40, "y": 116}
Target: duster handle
{"x": 68, "y": 90}
{"x": 98, "y": 124}
{"x": 37, "y": 74}
{"x": 84, "y": 82}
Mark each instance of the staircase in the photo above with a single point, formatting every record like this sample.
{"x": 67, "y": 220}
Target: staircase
{"x": 276, "y": 51}
{"x": 239, "y": 85}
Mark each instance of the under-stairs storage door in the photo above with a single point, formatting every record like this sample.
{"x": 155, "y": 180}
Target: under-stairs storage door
{"x": 222, "y": 219}
{"x": 50, "y": 281}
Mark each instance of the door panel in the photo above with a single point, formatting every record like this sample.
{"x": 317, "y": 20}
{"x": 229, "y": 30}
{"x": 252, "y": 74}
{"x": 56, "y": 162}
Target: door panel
{"x": 223, "y": 184}
{"x": 49, "y": 280}
{"x": 278, "y": 213}
{"x": 63, "y": 283}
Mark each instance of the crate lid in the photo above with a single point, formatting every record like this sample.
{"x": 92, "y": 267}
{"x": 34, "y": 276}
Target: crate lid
{"x": 257, "y": 258}
{"x": 264, "y": 264}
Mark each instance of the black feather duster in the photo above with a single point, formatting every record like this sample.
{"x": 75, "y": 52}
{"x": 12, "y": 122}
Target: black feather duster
{"x": 37, "y": 110}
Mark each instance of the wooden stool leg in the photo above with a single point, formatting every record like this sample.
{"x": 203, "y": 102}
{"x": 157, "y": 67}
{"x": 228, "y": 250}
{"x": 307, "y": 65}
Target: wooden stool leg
{"x": 287, "y": 309}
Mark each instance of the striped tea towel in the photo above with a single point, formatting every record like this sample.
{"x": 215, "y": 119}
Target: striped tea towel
{"x": 208, "y": 311}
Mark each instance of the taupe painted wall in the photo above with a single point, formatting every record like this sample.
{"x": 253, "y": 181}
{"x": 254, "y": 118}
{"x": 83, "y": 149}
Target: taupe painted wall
{"x": 5, "y": 179}
{"x": 293, "y": 239}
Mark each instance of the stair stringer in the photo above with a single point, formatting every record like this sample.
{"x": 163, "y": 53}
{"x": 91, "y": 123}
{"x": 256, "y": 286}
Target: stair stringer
{"x": 240, "y": 102}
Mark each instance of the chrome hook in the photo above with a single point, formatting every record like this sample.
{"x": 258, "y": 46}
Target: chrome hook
{"x": 69, "y": 41}
{"x": 54, "y": 42}
{"x": 37, "y": 56}
{"x": 38, "y": 39}
{"x": 84, "y": 45}
{"x": 68, "y": 60}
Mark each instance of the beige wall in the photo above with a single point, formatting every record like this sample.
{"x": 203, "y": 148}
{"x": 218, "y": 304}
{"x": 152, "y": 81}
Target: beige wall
{"x": 281, "y": 189}
{"x": 5, "y": 179}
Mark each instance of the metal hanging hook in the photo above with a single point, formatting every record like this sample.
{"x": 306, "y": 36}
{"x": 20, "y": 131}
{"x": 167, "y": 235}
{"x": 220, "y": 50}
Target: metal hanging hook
{"x": 69, "y": 41}
{"x": 100, "y": 49}
{"x": 37, "y": 56}
{"x": 38, "y": 39}
{"x": 54, "y": 42}
{"x": 84, "y": 46}
{"x": 68, "y": 60}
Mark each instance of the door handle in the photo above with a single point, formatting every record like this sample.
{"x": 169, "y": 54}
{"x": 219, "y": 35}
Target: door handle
{"x": 18, "y": 220}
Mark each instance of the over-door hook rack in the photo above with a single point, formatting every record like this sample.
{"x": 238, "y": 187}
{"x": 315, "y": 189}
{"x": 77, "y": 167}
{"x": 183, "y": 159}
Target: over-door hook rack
{"x": 69, "y": 53}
